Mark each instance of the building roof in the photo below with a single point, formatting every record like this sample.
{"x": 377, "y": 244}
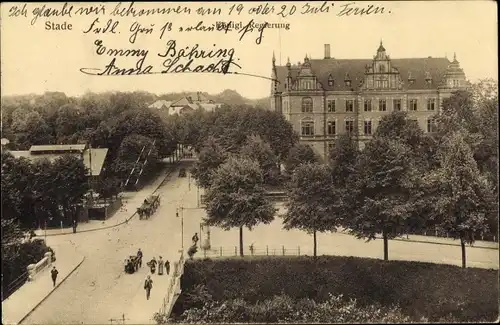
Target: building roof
{"x": 184, "y": 101}
{"x": 57, "y": 148}
{"x": 355, "y": 68}
{"x": 160, "y": 104}
{"x": 98, "y": 157}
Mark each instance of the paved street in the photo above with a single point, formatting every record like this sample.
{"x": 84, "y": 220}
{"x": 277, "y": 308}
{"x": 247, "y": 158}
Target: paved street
{"x": 274, "y": 237}
{"x": 100, "y": 290}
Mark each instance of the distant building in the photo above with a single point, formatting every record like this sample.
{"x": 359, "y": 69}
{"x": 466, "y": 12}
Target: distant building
{"x": 323, "y": 98}
{"x": 93, "y": 159}
{"x": 186, "y": 104}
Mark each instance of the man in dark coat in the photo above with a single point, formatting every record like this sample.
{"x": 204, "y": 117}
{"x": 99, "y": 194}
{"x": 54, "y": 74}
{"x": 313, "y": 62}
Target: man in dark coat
{"x": 167, "y": 267}
{"x": 139, "y": 255}
{"x": 148, "y": 284}
{"x": 54, "y": 274}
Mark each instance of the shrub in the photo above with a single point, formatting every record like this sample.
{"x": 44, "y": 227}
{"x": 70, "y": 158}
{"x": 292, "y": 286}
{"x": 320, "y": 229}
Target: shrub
{"x": 282, "y": 308}
{"x": 14, "y": 267}
{"x": 421, "y": 289}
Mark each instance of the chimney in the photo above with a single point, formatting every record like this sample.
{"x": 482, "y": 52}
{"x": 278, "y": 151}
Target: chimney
{"x": 327, "y": 51}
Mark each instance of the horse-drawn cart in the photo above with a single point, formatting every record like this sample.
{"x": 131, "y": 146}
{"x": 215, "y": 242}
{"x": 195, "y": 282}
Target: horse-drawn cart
{"x": 132, "y": 264}
{"x": 148, "y": 207}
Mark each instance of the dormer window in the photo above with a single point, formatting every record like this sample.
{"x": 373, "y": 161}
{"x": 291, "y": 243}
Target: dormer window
{"x": 330, "y": 81}
{"x": 347, "y": 80}
{"x": 428, "y": 78}
{"x": 411, "y": 80}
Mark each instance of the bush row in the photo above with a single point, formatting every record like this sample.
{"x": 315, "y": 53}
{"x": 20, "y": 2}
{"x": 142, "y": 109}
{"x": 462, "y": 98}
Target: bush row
{"x": 284, "y": 309}
{"x": 421, "y": 289}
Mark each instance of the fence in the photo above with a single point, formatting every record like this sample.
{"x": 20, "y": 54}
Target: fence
{"x": 174, "y": 287}
{"x": 34, "y": 269}
{"x": 251, "y": 251}
{"x": 443, "y": 234}
{"x": 14, "y": 285}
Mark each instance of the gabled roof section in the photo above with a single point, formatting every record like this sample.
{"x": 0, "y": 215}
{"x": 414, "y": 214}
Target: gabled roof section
{"x": 184, "y": 101}
{"x": 59, "y": 148}
{"x": 355, "y": 68}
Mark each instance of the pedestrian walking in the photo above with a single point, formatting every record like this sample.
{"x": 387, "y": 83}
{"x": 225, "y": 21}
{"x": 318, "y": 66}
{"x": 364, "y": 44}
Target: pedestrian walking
{"x": 148, "y": 285}
{"x": 161, "y": 265}
{"x": 167, "y": 267}
{"x": 54, "y": 274}
{"x": 152, "y": 265}
{"x": 139, "y": 255}
{"x": 195, "y": 239}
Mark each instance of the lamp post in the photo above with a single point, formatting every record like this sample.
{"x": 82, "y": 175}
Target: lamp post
{"x": 182, "y": 226}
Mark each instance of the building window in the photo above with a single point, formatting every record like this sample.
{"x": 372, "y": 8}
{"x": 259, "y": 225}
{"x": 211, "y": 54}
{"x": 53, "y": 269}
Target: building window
{"x": 368, "y": 127}
{"x": 331, "y": 105}
{"x": 396, "y": 104}
{"x": 307, "y": 128}
{"x": 381, "y": 68}
{"x": 414, "y": 120}
{"x": 330, "y": 82}
{"x": 348, "y": 83}
{"x": 331, "y": 146}
{"x": 431, "y": 126}
{"x": 331, "y": 128}
{"x": 368, "y": 105}
{"x": 349, "y": 105}
{"x": 382, "y": 106}
{"x": 413, "y": 105}
{"x": 431, "y": 104}
{"x": 307, "y": 105}
{"x": 349, "y": 126}
{"x": 307, "y": 84}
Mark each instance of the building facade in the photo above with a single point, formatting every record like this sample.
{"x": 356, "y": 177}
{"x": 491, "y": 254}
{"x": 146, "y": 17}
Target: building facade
{"x": 324, "y": 98}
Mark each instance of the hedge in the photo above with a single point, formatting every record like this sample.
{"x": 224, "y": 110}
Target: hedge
{"x": 432, "y": 291}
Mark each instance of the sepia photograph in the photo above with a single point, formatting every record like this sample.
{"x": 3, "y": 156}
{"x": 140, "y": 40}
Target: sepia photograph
{"x": 205, "y": 162}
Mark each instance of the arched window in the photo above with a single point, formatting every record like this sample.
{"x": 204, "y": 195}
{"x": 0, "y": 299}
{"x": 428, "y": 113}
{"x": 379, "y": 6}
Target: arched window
{"x": 381, "y": 68}
{"x": 307, "y": 105}
{"x": 307, "y": 127}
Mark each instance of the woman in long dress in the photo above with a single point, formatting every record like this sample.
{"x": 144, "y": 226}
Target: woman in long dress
{"x": 152, "y": 265}
{"x": 160, "y": 266}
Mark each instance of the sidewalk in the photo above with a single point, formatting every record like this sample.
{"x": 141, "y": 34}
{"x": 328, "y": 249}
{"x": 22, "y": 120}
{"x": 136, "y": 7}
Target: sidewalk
{"x": 27, "y": 298}
{"x": 131, "y": 201}
{"x": 144, "y": 309}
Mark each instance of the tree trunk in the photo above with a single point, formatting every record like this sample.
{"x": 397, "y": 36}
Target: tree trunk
{"x": 386, "y": 246}
{"x": 462, "y": 243}
{"x": 241, "y": 241}
{"x": 315, "y": 243}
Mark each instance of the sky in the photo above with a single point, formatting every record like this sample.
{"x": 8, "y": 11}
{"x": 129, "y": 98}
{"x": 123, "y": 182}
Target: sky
{"x": 35, "y": 60}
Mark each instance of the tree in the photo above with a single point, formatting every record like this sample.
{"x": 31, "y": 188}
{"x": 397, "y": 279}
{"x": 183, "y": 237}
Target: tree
{"x": 460, "y": 196}
{"x": 342, "y": 159}
{"x": 71, "y": 184}
{"x": 310, "y": 204}
{"x": 130, "y": 150}
{"x": 342, "y": 162}
{"x": 46, "y": 206}
{"x": 256, "y": 148}
{"x": 383, "y": 188}
{"x": 209, "y": 159}
{"x": 17, "y": 180}
{"x": 236, "y": 197}
{"x": 300, "y": 154}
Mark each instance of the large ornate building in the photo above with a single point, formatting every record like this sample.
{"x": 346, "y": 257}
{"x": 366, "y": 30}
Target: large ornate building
{"x": 323, "y": 98}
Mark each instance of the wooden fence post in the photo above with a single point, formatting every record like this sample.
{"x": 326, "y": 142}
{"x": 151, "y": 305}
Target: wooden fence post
{"x": 267, "y": 250}
{"x": 283, "y": 247}
{"x": 221, "y": 251}
{"x": 298, "y": 249}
